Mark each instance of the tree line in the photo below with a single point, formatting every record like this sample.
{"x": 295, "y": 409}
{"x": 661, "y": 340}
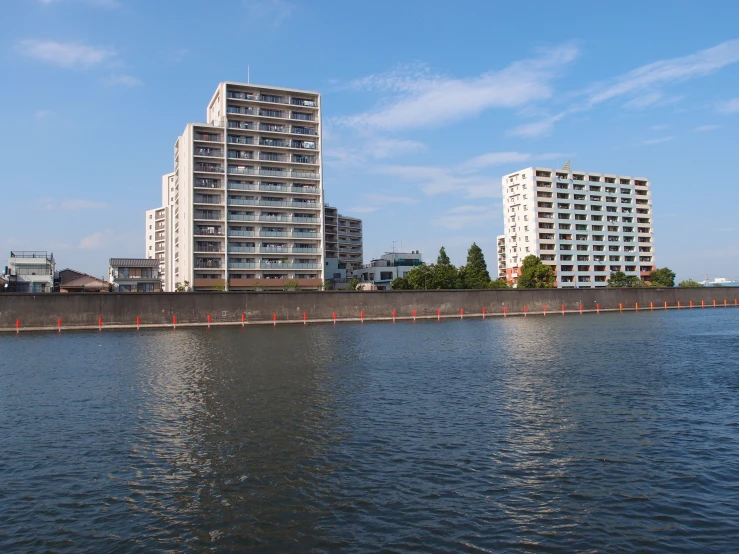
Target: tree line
{"x": 444, "y": 275}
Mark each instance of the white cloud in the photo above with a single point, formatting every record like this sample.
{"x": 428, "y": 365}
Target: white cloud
{"x": 123, "y": 80}
{"x": 418, "y": 98}
{"x": 363, "y": 209}
{"x": 659, "y": 127}
{"x": 706, "y": 128}
{"x": 645, "y": 100}
{"x": 95, "y": 241}
{"x": 650, "y": 77}
{"x": 274, "y": 11}
{"x": 69, "y": 204}
{"x": 69, "y": 55}
{"x": 494, "y": 158}
{"x": 382, "y": 148}
{"x": 466, "y": 216}
{"x": 729, "y": 106}
{"x": 42, "y": 114}
{"x": 538, "y": 128}
{"x": 385, "y": 199}
{"x": 659, "y": 140}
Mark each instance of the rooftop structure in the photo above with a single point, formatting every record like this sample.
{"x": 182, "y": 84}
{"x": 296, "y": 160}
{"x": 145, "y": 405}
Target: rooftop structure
{"x": 134, "y": 275}
{"x": 343, "y": 238}
{"x": 30, "y": 271}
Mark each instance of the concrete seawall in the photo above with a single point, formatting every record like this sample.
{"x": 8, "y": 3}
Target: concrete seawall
{"x": 26, "y": 312}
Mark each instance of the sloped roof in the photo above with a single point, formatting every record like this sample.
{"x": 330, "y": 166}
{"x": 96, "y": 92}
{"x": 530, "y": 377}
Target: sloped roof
{"x": 85, "y": 280}
{"x": 133, "y": 262}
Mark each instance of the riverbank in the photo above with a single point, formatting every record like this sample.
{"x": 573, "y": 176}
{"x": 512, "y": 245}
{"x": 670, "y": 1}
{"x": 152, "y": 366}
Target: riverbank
{"x": 87, "y": 311}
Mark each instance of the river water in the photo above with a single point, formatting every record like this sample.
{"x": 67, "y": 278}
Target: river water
{"x": 609, "y": 433}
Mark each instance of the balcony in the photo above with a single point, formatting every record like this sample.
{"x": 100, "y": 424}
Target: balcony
{"x": 241, "y": 265}
{"x": 240, "y": 125}
{"x": 208, "y": 231}
{"x": 272, "y": 113}
{"x": 236, "y": 185}
{"x": 280, "y": 218}
{"x": 209, "y": 152}
{"x": 240, "y": 170}
{"x": 241, "y": 248}
{"x": 241, "y": 96}
{"x": 240, "y": 155}
{"x": 304, "y": 144}
{"x": 267, "y": 156}
{"x": 272, "y": 128}
{"x": 273, "y": 249}
{"x": 279, "y": 203}
{"x": 206, "y": 199}
{"x": 238, "y": 110}
{"x": 242, "y": 201}
{"x": 208, "y": 247}
{"x": 305, "y": 250}
{"x": 272, "y": 98}
{"x": 207, "y": 215}
{"x": 274, "y": 172}
{"x": 304, "y": 174}
{"x": 302, "y": 102}
{"x": 207, "y": 183}
{"x": 302, "y": 116}
{"x": 209, "y": 263}
{"x": 208, "y": 168}
{"x": 208, "y": 137}
{"x": 304, "y": 159}
{"x": 304, "y": 220}
{"x": 273, "y": 142}
{"x": 240, "y": 140}
{"x": 303, "y": 130}
{"x": 306, "y": 234}
{"x": 239, "y": 233}
{"x": 241, "y": 217}
{"x": 273, "y": 234}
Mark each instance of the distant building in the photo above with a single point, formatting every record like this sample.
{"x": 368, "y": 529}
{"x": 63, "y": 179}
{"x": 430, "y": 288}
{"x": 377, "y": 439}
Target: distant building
{"x": 157, "y": 244}
{"x": 381, "y": 272}
{"x": 134, "y": 275}
{"x": 30, "y": 271}
{"x": 584, "y": 225}
{"x": 84, "y": 283}
{"x": 501, "y": 257}
{"x": 343, "y": 238}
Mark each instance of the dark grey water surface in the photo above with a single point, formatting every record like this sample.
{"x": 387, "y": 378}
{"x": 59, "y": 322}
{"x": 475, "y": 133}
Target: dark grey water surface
{"x": 559, "y": 434}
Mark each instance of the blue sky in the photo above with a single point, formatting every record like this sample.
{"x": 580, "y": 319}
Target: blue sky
{"x": 425, "y": 105}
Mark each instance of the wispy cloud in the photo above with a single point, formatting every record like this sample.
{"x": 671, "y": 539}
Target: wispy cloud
{"x": 42, "y": 114}
{"x": 95, "y": 241}
{"x": 466, "y": 216}
{"x": 122, "y": 80}
{"x": 419, "y": 98}
{"x": 383, "y": 148}
{"x": 69, "y": 204}
{"x": 70, "y": 55}
{"x": 647, "y": 79}
{"x": 706, "y": 128}
{"x": 273, "y": 11}
{"x": 363, "y": 209}
{"x": 659, "y": 140}
{"x": 385, "y": 199}
{"x": 644, "y": 85}
{"x": 729, "y": 106}
{"x": 659, "y": 127}
{"x": 492, "y": 159}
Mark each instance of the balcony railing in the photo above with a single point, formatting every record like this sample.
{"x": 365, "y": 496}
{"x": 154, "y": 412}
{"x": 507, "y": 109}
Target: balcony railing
{"x": 304, "y": 130}
{"x": 241, "y": 186}
{"x": 241, "y": 217}
{"x": 242, "y": 170}
{"x": 274, "y": 173}
{"x": 306, "y": 234}
{"x": 241, "y": 248}
{"x": 272, "y": 128}
{"x": 207, "y": 183}
{"x": 239, "y": 110}
{"x": 209, "y": 137}
{"x": 304, "y": 144}
{"x": 271, "y": 113}
{"x": 301, "y": 102}
{"x": 304, "y": 159}
{"x": 207, "y": 199}
{"x": 273, "y": 233}
{"x": 242, "y": 265}
{"x": 266, "y": 156}
{"x": 207, "y": 215}
{"x": 273, "y": 142}
{"x": 212, "y": 152}
{"x": 273, "y": 249}
{"x": 240, "y": 125}
{"x": 287, "y": 265}
{"x": 237, "y": 154}
{"x": 297, "y": 219}
{"x": 208, "y": 231}
{"x": 243, "y": 201}
{"x": 208, "y": 264}
{"x": 240, "y": 140}
{"x": 302, "y": 116}
{"x": 304, "y": 250}
{"x": 282, "y": 219}
{"x": 304, "y": 174}
{"x": 240, "y": 233}
{"x": 208, "y": 168}
{"x": 207, "y": 247}
{"x": 282, "y": 203}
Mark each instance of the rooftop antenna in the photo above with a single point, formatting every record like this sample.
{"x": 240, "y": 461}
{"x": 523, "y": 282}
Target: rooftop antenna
{"x": 567, "y": 166}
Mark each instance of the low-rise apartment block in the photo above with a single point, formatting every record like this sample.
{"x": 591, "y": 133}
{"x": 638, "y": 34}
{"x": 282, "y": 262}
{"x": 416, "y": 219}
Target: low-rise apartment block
{"x": 30, "y": 271}
{"x": 245, "y": 200}
{"x": 501, "y": 257}
{"x": 134, "y": 275}
{"x": 585, "y": 225}
{"x": 381, "y": 272}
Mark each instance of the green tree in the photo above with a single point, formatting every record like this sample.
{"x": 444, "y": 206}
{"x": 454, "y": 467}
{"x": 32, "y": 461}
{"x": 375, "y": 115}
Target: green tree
{"x": 292, "y": 284}
{"x": 689, "y": 283}
{"x": 620, "y": 279}
{"x": 475, "y": 274}
{"x": 663, "y": 277}
{"x": 445, "y": 275}
{"x": 182, "y": 287}
{"x": 533, "y": 274}
{"x": 498, "y": 284}
{"x": 400, "y": 283}
{"x": 353, "y": 283}
{"x": 421, "y": 277}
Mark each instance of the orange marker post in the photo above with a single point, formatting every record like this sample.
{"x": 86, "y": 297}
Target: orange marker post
{"x": 274, "y": 319}
{"x": 483, "y": 312}
{"x": 59, "y": 324}
{"x": 563, "y": 309}
{"x": 17, "y": 325}
{"x": 505, "y": 311}
{"x": 305, "y": 318}
{"x": 545, "y": 310}
{"x": 100, "y": 324}
{"x": 138, "y": 322}
{"x": 620, "y": 307}
{"x": 461, "y": 313}
{"x": 361, "y": 315}
{"x": 393, "y": 316}
{"x": 243, "y": 319}
{"x": 524, "y": 311}
{"x": 580, "y": 309}
{"x": 414, "y": 315}
{"x": 597, "y": 308}
{"x": 174, "y": 322}
{"x": 678, "y": 304}
{"x": 208, "y": 321}
{"x": 636, "y": 306}
{"x": 691, "y": 303}
{"x": 438, "y": 315}
{"x": 714, "y": 303}
{"x": 724, "y": 303}
{"x": 665, "y": 305}
{"x": 703, "y": 304}
{"x": 334, "y": 318}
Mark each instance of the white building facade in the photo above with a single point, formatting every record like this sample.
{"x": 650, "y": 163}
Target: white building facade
{"x": 585, "y": 225}
{"x": 381, "y": 272}
{"x": 245, "y": 200}
{"x": 30, "y": 271}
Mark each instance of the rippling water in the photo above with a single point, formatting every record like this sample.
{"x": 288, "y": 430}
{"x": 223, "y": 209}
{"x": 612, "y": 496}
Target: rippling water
{"x": 557, "y": 434}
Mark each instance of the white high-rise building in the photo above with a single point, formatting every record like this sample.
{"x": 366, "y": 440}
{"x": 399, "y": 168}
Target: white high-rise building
{"x": 245, "y": 200}
{"x": 585, "y": 225}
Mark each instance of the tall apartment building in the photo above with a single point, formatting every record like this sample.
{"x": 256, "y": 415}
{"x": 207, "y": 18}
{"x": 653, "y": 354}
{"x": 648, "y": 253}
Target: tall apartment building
{"x": 585, "y": 225}
{"x": 343, "y": 238}
{"x": 246, "y": 197}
